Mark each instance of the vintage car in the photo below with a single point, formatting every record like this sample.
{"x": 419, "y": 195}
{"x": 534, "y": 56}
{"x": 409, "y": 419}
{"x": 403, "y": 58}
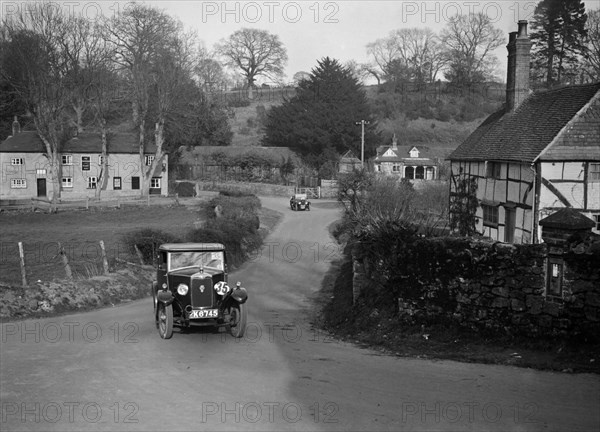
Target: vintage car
{"x": 299, "y": 202}
{"x": 191, "y": 289}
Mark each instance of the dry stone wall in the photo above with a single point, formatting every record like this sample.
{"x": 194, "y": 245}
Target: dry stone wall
{"x": 489, "y": 285}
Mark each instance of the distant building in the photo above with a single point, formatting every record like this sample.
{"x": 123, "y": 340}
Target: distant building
{"x": 406, "y": 162}
{"x": 25, "y": 171}
{"x": 349, "y": 162}
{"x": 539, "y": 154}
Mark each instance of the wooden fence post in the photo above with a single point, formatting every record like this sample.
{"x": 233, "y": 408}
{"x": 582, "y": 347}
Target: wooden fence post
{"x": 23, "y": 272}
{"x": 87, "y": 203}
{"x": 104, "y": 260}
{"x": 65, "y": 261}
{"x": 139, "y": 254}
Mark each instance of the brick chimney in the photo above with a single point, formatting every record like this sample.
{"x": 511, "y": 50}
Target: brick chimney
{"x": 16, "y": 127}
{"x": 517, "y": 79}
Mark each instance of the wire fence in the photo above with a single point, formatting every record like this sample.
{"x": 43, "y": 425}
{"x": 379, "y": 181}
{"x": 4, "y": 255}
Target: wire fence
{"x": 27, "y": 263}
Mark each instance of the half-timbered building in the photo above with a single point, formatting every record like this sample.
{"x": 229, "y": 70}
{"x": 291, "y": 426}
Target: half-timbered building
{"x": 539, "y": 154}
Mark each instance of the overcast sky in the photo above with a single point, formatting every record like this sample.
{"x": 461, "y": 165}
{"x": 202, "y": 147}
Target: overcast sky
{"x": 311, "y": 30}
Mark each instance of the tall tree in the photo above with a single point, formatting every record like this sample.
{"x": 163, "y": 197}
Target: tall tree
{"x": 558, "y": 34}
{"x": 209, "y": 71}
{"x": 155, "y": 56}
{"x": 255, "y": 52}
{"x": 592, "y": 55}
{"x": 323, "y": 114}
{"x": 33, "y": 65}
{"x": 470, "y": 41}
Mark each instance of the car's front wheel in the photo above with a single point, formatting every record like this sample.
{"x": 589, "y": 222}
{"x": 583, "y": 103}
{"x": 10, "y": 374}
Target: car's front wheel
{"x": 238, "y": 315}
{"x": 165, "y": 321}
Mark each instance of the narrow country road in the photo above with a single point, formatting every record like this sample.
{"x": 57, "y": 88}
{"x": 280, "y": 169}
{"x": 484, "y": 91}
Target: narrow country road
{"x": 109, "y": 369}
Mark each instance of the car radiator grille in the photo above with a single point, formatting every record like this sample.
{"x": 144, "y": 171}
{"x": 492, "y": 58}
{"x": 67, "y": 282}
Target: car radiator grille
{"x": 202, "y": 297}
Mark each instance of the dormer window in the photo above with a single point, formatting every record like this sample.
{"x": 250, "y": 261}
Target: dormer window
{"x": 414, "y": 152}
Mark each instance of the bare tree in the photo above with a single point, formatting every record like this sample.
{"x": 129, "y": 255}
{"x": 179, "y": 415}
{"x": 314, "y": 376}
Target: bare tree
{"x": 34, "y": 64}
{"x": 384, "y": 52}
{"x": 470, "y": 41}
{"x": 255, "y": 52}
{"x": 411, "y": 54}
{"x": 592, "y": 55}
{"x": 421, "y": 50}
{"x": 142, "y": 37}
{"x": 209, "y": 71}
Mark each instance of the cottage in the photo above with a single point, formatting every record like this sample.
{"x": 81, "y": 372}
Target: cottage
{"x": 25, "y": 172}
{"x": 409, "y": 162}
{"x": 539, "y": 154}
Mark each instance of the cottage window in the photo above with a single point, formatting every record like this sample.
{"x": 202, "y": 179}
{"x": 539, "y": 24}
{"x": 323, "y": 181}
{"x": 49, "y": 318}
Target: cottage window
{"x": 155, "y": 183}
{"x": 40, "y": 172}
{"x": 67, "y": 182}
{"x": 92, "y": 182}
{"x": 67, "y": 159}
{"x": 148, "y": 160}
{"x": 117, "y": 183}
{"x": 396, "y": 168}
{"x": 490, "y": 215}
{"x": 554, "y": 277}
{"x": 493, "y": 170}
{"x": 594, "y": 172}
{"x": 135, "y": 182}
{"x": 100, "y": 160}
{"x": 85, "y": 163}
{"x": 17, "y": 161}
{"x": 378, "y": 168}
{"x": 19, "y": 183}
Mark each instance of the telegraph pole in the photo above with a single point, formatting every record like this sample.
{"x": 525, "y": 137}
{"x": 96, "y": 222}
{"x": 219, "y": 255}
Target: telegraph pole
{"x": 362, "y": 123}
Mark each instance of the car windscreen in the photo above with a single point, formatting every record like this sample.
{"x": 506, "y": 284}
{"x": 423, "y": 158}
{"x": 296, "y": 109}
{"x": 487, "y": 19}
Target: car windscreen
{"x": 213, "y": 260}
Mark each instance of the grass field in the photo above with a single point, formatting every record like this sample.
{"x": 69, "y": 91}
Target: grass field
{"x": 79, "y": 232}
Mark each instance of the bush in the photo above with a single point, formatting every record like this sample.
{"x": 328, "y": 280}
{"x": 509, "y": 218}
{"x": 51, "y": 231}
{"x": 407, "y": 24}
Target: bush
{"x": 147, "y": 240}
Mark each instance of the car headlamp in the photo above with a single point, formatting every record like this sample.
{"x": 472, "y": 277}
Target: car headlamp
{"x": 182, "y": 289}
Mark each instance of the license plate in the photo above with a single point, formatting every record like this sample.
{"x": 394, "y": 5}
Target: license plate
{"x": 204, "y": 313}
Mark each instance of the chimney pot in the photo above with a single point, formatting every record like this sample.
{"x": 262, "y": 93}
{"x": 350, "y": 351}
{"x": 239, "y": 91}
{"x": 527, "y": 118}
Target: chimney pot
{"x": 522, "y": 28}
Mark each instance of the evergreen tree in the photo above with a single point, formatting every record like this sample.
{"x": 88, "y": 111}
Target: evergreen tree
{"x": 558, "y": 35}
{"x": 323, "y": 115}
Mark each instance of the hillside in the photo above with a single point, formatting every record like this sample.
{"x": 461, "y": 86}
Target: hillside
{"x": 439, "y": 116}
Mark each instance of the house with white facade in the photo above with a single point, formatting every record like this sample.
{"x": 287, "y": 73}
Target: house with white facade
{"x": 25, "y": 172}
{"x": 406, "y": 162}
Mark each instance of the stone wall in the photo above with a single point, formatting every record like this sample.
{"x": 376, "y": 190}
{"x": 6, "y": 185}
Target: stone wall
{"x": 489, "y": 285}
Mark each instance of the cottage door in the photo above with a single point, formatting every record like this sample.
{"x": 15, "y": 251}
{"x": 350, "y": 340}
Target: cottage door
{"x": 509, "y": 225}
{"x": 41, "y": 187}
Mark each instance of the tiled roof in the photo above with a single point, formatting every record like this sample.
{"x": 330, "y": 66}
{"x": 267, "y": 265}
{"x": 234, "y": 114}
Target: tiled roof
{"x": 88, "y": 142}
{"x": 523, "y": 135}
